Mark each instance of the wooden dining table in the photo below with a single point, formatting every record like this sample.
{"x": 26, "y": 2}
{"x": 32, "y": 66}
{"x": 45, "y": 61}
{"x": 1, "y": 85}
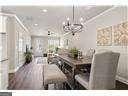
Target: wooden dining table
{"x": 70, "y": 66}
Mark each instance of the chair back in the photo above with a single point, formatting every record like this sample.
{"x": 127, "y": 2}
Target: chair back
{"x": 103, "y": 70}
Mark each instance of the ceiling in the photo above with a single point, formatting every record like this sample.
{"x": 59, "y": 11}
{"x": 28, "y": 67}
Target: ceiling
{"x": 54, "y": 17}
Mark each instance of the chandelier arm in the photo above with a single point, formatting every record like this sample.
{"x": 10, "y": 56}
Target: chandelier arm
{"x": 73, "y": 27}
{"x": 73, "y": 13}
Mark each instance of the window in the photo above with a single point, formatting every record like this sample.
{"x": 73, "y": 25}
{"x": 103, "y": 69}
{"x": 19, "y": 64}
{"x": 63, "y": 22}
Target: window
{"x": 53, "y": 43}
{"x": 39, "y": 45}
{"x": 20, "y": 44}
{"x": 3, "y": 38}
{"x": 3, "y": 23}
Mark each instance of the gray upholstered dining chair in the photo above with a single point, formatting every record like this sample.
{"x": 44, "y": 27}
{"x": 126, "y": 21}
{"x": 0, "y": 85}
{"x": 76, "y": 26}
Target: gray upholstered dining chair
{"x": 103, "y": 72}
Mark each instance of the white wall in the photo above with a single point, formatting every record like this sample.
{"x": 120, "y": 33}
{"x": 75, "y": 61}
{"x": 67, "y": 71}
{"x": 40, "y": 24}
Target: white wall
{"x": 20, "y": 48}
{"x": 3, "y": 54}
{"x": 16, "y": 31}
{"x": 12, "y": 28}
{"x": 87, "y": 39}
{"x": 11, "y": 44}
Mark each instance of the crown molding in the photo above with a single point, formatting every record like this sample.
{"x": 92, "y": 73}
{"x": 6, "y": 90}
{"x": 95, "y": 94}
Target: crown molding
{"x": 17, "y": 19}
{"x": 102, "y": 13}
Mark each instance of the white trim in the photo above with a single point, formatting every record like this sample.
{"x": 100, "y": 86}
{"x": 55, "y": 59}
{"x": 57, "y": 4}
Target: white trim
{"x": 102, "y": 13}
{"x": 121, "y": 79}
{"x": 6, "y": 14}
{"x": 16, "y": 69}
{"x": 0, "y": 8}
{"x": 19, "y": 21}
{"x": 11, "y": 71}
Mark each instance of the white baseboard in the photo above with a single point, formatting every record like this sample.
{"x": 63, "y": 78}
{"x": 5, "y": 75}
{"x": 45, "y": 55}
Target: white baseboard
{"x": 11, "y": 71}
{"x": 17, "y": 68}
{"x": 121, "y": 79}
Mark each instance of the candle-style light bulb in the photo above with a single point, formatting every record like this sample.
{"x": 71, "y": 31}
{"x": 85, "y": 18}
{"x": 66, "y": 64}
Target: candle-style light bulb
{"x": 68, "y": 19}
{"x": 63, "y": 23}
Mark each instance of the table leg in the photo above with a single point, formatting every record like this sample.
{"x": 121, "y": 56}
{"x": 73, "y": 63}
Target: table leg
{"x": 46, "y": 87}
{"x": 73, "y": 77}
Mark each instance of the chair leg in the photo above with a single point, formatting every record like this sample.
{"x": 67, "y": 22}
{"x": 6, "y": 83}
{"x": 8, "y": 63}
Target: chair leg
{"x": 77, "y": 85}
{"x": 46, "y": 87}
{"x": 55, "y": 86}
{"x": 64, "y": 86}
{"x": 60, "y": 86}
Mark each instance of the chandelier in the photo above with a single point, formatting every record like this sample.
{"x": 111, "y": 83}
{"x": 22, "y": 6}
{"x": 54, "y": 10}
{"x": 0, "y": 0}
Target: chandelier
{"x": 72, "y": 26}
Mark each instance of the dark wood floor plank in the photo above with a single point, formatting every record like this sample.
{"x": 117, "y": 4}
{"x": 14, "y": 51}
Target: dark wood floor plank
{"x": 28, "y": 77}
{"x": 18, "y": 77}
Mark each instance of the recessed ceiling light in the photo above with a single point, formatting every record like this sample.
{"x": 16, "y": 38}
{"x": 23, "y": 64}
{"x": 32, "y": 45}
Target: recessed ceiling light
{"x": 35, "y": 24}
{"x": 63, "y": 23}
{"x": 44, "y": 10}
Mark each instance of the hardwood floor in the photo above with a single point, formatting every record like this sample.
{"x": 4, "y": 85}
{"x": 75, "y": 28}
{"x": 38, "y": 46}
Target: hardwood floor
{"x": 29, "y": 77}
{"x": 121, "y": 86}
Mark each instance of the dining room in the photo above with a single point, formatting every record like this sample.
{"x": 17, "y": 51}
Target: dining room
{"x": 103, "y": 34}
{"x": 74, "y": 48}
